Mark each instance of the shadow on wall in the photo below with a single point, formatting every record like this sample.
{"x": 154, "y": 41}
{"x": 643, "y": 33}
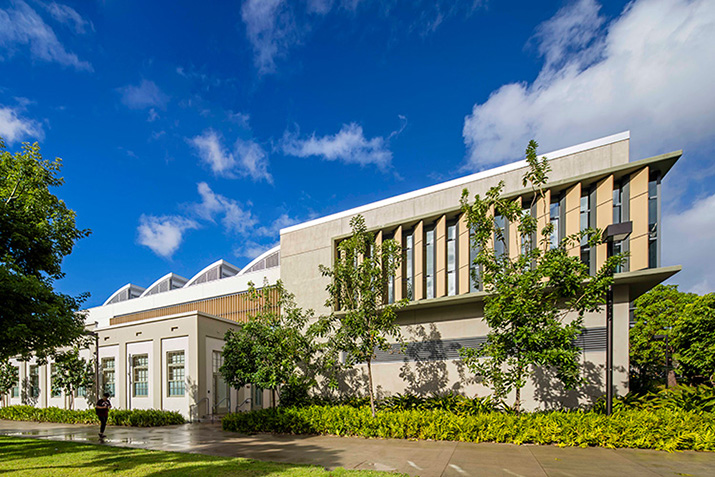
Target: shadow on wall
{"x": 424, "y": 369}
{"x": 550, "y": 392}
{"x": 351, "y": 382}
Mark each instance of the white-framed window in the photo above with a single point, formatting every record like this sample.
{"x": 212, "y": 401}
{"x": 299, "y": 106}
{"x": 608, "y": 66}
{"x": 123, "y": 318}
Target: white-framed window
{"x": 554, "y": 218}
{"x": 585, "y": 219}
{"x": 34, "y": 380}
{"x": 108, "y": 375}
{"x": 409, "y": 265}
{"x": 429, "y": 263}
{"x": 257, "y": 395}
{"x": 55, "y": 391}
{"x": 15, "y": 391}
{"x": 452, "y": 259}
{"x": 176, "y": 373}
{"x": 140, "y": 374}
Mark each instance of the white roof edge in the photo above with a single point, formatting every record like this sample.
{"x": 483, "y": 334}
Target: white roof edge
{"x": 168, "y": 275}
{"x": 207, "y": 267}
{"x": 259, "y": 258}
{"x": 128, "y": 285}
{"x": 459, "y": 181}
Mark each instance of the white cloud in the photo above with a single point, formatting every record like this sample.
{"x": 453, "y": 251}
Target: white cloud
{"x": 144, "y": 95}
{"x": 69, "y": 16}
{"x": 248, "y": 160}
{"x": 14, "y": 128}
{"x": 271, "y": 29}
{"x": 235, "y": 218}
{"x": 650, "y": 70}
{"x": 687, "y": 240}
{"x": 349, "y": 145}
{"x": 153, "y": 115}
{"x": 21, "y": 26}
{"x": 273, "y": 230}
{"x": 163, "y": 234}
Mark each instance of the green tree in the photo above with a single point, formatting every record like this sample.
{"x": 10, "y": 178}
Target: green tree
{"x": 274, "y": 347}
{"x": 656, "y": 314}
{"x": 8, "y": 377}
{"x": 536, "y": 298}
{"x": 362, "y": 321}
{"x": 694, "y": 340}
{"x": 72, "y": 373}
{"x": 37, "y": 230}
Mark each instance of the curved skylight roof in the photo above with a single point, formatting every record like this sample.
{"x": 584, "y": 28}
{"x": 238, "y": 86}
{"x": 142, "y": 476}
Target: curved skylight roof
{"x": 127, "y": 292}
{"x": 170, "y": 281}
{"x": 269, "y": 259}
{"x": 216, "y": 271}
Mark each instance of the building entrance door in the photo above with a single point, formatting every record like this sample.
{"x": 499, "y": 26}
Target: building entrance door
{"x": 221, "y": 400}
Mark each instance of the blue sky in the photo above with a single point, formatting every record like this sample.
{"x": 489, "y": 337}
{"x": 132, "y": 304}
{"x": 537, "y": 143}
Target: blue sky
{"x": 193, "y": 131}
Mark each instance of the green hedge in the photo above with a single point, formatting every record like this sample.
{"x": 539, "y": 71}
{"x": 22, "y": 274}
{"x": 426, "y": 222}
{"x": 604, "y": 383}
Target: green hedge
{"x": 138, "y": 417}
{"x": 646, "y": 429}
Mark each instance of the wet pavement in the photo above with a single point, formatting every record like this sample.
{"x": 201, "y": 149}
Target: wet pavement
{"x": 419, "y": 458}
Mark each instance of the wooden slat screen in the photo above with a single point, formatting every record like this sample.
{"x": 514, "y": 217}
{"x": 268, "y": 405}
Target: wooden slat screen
{"x": 236, "y": 307}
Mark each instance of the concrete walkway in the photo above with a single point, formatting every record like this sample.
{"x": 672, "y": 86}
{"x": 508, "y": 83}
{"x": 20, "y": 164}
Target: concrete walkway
{"x": 419, "y": 458}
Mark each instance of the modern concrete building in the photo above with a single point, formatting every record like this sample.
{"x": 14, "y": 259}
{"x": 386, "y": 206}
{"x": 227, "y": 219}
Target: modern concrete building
{"x": 160, "y": 347}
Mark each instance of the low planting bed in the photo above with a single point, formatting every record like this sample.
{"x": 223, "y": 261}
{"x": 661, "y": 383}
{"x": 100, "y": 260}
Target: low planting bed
{"x": 137, "y": 417}
{"x": 661, "y": 429}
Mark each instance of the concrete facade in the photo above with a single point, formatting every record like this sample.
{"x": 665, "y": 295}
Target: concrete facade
{"x": 161, "y": 346}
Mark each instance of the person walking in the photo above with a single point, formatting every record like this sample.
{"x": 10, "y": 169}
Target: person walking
{"x": 102, "y": 410}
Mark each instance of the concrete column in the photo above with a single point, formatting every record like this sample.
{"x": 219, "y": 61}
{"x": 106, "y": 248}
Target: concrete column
{"x": 638, "y": 210}
{"x": 441, "y": 254}
{"x": 543, "y": 217}
{"x": 463, "y": 246}
{"x": 572, "y": 204}
{"x": 514, "y": 242}
{"x": 157, "y": 389}
{"x": 604, "y": 215}
{"x": 398, "y": 273}
{"x": 418, "y": 242}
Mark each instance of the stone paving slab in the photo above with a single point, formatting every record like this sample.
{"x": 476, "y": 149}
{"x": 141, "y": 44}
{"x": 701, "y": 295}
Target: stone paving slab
{"x": 418, "y": 458}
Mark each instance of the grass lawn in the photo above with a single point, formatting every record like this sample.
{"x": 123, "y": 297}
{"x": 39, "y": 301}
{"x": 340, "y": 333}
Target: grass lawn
{"x": 25, "y": 457}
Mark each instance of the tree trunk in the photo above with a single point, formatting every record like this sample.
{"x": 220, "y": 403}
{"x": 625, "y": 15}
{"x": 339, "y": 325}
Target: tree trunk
{"x": 369, "y": 375}
{"x": 672, "y": 381}
{"x": 517, "y": 401}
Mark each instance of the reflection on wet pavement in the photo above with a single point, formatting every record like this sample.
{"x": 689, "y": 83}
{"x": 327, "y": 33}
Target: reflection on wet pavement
{"x": 423, "y": 458}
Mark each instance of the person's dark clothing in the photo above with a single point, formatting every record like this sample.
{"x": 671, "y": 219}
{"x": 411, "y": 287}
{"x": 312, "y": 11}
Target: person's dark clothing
{"x": 102, "y": 410}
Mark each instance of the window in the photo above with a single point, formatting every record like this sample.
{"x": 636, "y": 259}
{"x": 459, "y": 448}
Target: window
{"x": 474, "y": 284}
{"x": 452, "y": 259}
{"x": 108, "y": 375}
{"x": 585, "y": 216}
{"x": 390, "y": 279}
{"x": 617, "y": 204}
{"x": 653, "y": 213}
{"x": 81, "y": 391}
{"x": 15, "y": 391}
{"x": 500, "y": 236}
{"x": 34, "y": 381}
{"x": 55, "y": 391}
{"x": 257, "y": 395}
{"x": 554, "y": 216}
{"x": 140, "y": 373}
{"x": 217, "y": 362}
{"x": 526, "y": 240}
{"x": 409, "y": 264}
{"x": 175, "y": 372}
{"x": 429, "y": 263}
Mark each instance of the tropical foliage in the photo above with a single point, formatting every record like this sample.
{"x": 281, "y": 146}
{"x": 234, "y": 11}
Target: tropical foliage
{"x": 73, "y": 373}
{"x": 530, "y": 291}
{"x": 137, "y": 418}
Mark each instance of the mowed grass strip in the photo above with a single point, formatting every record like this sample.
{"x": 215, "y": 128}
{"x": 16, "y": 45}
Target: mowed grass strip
{"x": 32, "y": 457}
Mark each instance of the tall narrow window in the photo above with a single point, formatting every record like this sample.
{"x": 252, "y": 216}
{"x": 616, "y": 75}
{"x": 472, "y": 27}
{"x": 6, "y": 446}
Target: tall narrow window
{"x": 554, "y": 218}
{"x": 500, "y": 236}
{"x": 653, "y": 229}
{"x": 55, "y": 390}
{"x": 452, "y": 259}
{"x": 474, "y": 278}
{"x": 34, "y": 381}
{"x": 140, "y": 373}
{"x": 175, "y": 372}
{"x": 617, "y": 204}
{"x": 108, "y": 375}
{"x": 429, "y": 263}
{"x": 220, "y": 388}
{"x": 409, "y": 265}
{"x": 585, "y": 216}
{"x": 257, "y": 393}
{"x": 391, "y": 278}
{"x": 15, "y": 391}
